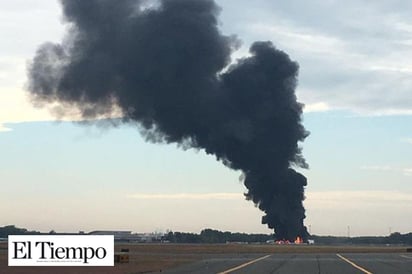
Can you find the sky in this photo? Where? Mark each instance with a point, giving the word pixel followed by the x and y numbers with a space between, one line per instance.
pixel 355 80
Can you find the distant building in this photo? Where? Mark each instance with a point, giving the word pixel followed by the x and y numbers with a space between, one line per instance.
pixel 118 235
pixel 128 236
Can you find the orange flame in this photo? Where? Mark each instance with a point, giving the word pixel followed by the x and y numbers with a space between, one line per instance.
pixel 298 240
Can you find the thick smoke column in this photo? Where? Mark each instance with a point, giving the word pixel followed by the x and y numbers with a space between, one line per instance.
pixel 165 68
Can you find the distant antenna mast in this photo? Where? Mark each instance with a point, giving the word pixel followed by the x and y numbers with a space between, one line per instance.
pixel 348 231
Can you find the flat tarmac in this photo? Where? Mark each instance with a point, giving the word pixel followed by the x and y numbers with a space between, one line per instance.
pixel 320 263
pixel 241 258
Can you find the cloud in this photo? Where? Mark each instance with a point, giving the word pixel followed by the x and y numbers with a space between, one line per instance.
pixel 358 64
pixel 352 57
pixel 312 197
pixel 16 107
pixel 294 38
pixel 367 212
pixel 404 171
pixel 359 197
pixel 186 196
pixel 384 112
pixel 317 107
pixel 328 212
pixel 4 128
pixel 407 140
pixel 407 171
pixel 379 168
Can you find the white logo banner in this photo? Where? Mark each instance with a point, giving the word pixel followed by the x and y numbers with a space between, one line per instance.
pixel 61 250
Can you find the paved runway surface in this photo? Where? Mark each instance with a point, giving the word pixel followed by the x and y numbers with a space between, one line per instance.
pixel 345 263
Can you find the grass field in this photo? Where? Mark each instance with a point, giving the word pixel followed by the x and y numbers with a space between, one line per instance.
pixel 256 248
pixel 145 258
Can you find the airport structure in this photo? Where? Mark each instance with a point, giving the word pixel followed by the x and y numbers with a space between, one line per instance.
pixel 128 236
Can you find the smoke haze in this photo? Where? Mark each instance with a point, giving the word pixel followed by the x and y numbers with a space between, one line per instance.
pixel 166 68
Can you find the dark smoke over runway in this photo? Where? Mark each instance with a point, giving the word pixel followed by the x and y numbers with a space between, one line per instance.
pixel 166 68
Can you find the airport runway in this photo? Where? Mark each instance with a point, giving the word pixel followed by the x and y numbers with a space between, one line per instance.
pixel 345 263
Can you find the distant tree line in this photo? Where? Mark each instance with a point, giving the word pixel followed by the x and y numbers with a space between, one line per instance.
pixel 215 236
pixel 13 230
pixel 395 238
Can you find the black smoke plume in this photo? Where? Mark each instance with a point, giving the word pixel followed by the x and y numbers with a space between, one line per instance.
pixel 167 68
